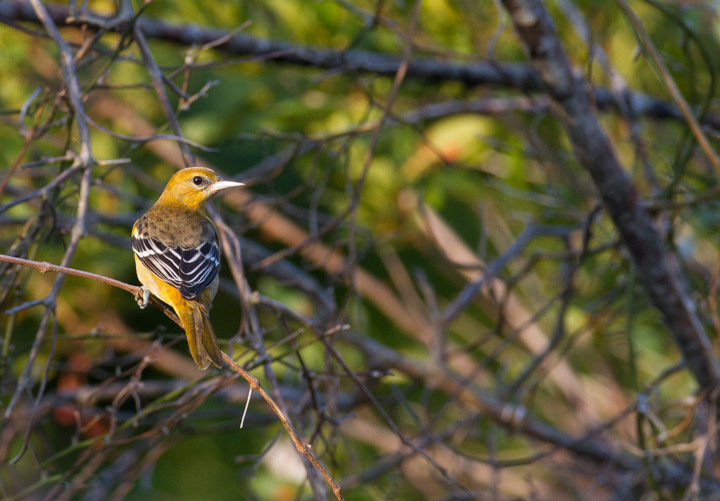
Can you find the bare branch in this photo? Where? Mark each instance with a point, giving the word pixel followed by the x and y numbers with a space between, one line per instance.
pixel 494 74
pixel 595 152
pixel 44 267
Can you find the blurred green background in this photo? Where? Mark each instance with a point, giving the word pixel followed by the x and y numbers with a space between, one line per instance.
pixel 483 178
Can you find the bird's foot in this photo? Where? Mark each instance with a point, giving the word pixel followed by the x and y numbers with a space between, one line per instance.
pixel 142 296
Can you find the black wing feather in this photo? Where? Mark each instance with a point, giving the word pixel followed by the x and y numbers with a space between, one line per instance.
pixel 189 270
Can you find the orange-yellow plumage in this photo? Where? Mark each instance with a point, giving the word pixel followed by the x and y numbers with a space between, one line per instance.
pixel 177 256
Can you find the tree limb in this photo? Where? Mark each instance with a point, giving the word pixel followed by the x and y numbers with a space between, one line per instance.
pixel 536 29
pixel 505 75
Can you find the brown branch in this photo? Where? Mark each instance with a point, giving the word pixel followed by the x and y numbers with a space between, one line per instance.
pixel 494 74
pixel 669 82
pixel 251 325
pixel 44 267
pixel 302 448
pixel 536 29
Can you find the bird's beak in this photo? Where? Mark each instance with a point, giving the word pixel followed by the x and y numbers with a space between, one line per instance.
pixel 223 184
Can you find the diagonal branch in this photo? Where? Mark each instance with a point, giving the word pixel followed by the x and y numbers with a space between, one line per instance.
pixel 671 85
pixel 536 29
pixel 302 448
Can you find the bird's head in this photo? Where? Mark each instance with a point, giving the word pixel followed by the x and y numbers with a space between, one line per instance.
pixel 194 186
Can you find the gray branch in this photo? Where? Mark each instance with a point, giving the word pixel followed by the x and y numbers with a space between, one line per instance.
pixel 493 74
pixel 662 282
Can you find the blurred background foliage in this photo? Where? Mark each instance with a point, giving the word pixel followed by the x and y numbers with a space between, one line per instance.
pixel 481 180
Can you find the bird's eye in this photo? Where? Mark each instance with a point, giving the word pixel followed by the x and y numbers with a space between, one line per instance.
pixel 197 181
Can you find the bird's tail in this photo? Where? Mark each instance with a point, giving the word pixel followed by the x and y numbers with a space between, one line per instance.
pixel 200 335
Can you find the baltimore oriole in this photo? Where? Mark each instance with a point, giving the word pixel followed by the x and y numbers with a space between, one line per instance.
pixel 177 257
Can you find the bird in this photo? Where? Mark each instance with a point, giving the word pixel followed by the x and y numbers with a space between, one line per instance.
pixel 177 257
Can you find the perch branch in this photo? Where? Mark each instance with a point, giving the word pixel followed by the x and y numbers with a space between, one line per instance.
pixel 45 267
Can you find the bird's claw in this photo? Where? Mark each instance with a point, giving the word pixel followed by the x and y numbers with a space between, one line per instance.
pixel 142 296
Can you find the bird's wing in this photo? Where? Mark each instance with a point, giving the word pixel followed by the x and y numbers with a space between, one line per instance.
pixel 189 270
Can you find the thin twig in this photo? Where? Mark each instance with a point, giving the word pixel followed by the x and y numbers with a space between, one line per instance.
pixel 302 448
pixel 669 82
pixel 44 267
